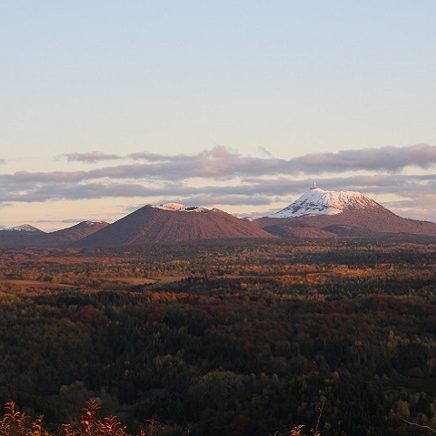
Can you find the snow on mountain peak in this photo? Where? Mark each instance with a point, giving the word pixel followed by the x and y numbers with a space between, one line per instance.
pixel 318 201
pixel 23 228
pixel 171 206
pixel 178 207
pixel 91 223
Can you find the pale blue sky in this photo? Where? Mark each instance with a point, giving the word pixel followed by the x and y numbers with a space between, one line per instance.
pixel 294 77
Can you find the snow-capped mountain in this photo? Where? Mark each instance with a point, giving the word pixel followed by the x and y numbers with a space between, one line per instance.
pixel 23 228
pixel 319 213
pixel 21 236
pixel 318 201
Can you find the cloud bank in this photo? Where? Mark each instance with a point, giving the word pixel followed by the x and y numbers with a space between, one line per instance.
pixel 222 162
pixel 222 176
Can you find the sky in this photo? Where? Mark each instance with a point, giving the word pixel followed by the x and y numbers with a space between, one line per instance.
pixel 107 105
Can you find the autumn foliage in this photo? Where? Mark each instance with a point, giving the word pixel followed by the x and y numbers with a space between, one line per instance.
pixel 224 338
pixel 16 423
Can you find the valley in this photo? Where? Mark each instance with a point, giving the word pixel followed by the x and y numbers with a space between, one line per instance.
pixel 224 337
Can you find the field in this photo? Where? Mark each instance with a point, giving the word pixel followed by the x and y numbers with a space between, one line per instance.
pixel 225 338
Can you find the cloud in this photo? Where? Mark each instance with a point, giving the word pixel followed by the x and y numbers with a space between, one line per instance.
pixel 215 163
pixel 218 162
pixel 249 180
pixel 90 157
pixel 246 191
pixel 420 206
pixel 55 191
pixel 383 158
pixel 63 221
pixel 221 162
pixel 211 199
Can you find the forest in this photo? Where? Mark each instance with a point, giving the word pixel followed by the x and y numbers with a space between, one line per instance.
pixel 223 337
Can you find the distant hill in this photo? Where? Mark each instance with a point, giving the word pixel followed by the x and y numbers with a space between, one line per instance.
pixel 173 222
pixel 29 236
pixel 21 236
pixel 75 233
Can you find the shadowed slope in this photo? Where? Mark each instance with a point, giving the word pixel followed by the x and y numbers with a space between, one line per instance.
pixel 377 220
pixel 76 232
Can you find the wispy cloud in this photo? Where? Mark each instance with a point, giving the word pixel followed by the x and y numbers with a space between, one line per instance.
pixel 89 157
pixel 71 221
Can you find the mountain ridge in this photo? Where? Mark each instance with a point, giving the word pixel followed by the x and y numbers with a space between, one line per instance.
pixel 316 214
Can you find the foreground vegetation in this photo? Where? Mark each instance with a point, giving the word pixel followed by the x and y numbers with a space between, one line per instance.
pixel 229 338
pixel 14 422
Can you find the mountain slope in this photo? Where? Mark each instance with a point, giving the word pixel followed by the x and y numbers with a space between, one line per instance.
pixel 342 213
pixel 76 232
pixel 152 224
pixel 298 231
